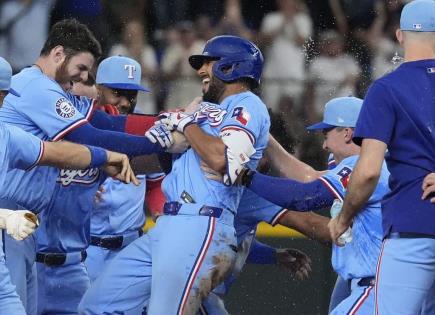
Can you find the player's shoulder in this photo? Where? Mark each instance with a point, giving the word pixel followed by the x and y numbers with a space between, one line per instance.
pixel 347 163
pixel 250 102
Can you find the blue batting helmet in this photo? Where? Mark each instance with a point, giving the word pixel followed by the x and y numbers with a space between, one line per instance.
pixel 236 58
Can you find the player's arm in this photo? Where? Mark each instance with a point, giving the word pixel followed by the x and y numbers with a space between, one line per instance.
pixel 312 225
pixel 286 165
pixel 428 187
pixel 290 259
pixel 211 149
pixel 288 193
pixel 362 183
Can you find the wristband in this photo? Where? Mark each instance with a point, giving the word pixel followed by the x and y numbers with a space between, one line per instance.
pixel 98 156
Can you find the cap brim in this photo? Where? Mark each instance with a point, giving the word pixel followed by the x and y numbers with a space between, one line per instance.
pixel 320 126
pixel 196 61
pixel 125 86
pixel 13 92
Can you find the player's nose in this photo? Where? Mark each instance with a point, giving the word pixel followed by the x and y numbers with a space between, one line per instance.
pixel 84 76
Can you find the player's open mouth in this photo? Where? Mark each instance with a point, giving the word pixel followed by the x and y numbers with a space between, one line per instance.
pixel 205 82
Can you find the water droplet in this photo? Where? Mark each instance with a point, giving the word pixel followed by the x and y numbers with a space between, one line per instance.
pixel 396 58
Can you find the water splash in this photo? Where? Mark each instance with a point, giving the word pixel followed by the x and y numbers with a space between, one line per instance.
pixel 397 59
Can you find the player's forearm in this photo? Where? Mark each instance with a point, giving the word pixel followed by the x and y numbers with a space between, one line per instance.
pixel 286 165
pixel 65 155
pixel 262 254
pixel 210 149
pixel 291 194
pixel 113 141
pixel 72 156
pixel 310 224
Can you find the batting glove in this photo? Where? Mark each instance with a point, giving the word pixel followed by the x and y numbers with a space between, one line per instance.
pixel 160 133
pixel 177 120
pixel 19 224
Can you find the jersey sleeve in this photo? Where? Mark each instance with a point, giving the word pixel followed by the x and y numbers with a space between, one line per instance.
pixel 50 109
pixel 336 179
pixel 377 117
pixel 24 149
pixel 248 116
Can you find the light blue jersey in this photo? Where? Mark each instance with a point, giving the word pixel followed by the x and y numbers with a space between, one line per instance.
pixel 65 196
pixel 244 111
pixel 43 109
pixel 22 150
pixel 180 254
pixel 121 208
pixel 18 150
pixel 358 258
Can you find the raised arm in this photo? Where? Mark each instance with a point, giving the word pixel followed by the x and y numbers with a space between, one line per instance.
pixel 286 165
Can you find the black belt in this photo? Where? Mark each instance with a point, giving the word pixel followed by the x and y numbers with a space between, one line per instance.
pixel 56 259
pixel 409 235
pixel 111 242
pixel 172 208
pixel 367 282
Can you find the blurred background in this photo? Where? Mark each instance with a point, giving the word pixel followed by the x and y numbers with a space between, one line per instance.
pixel 314 50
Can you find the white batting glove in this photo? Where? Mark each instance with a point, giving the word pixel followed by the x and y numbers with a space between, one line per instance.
pixel 177 120
pixel 19 224
pixel 161 134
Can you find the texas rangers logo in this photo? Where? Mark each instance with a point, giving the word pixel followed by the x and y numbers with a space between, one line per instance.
pixel 85 177
pixel 344 175
pixel 131 69
pixel 242 116
pixel 212 113
pixel 64 108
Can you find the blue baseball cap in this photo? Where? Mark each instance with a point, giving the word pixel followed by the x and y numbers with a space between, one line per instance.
pixel 5 77
pixel 418 16
pixel 339 112
pixel 119 72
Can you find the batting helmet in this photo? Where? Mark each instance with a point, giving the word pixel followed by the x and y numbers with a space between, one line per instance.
pixel 236 58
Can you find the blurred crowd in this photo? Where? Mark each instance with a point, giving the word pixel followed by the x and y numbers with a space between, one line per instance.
pixel 315 50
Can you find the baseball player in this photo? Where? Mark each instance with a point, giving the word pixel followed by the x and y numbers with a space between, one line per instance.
pixel 118 213
pixel 192 246
pixel 49 112
pixel 398 115
pixel 23 151
pixel 357 260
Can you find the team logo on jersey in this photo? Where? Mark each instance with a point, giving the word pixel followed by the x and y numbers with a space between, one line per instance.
pixel 242 115
pixel 84 177
pixel 344 175
pixel 210 112
pixel 64 108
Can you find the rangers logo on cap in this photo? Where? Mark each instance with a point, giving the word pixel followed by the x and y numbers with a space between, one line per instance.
pixel 64 108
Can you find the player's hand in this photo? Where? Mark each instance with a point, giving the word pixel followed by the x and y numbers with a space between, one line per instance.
pixel 429 187
pixel 118 166
pixel 245 177
pixel 20 224
pixel 295 261
pixel 176 120
pixel 180 143
pixel 336 228
pixel 161 134
pixel 211 173
pixel 99 194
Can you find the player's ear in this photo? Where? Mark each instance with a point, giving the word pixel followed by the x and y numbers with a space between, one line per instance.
pixel 348 134
pixel 399 36
pixel 58 54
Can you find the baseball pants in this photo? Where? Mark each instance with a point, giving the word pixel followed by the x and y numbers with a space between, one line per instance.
pixel 174 266
pixel 405 275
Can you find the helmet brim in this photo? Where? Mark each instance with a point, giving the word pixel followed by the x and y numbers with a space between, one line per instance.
pixel 196 61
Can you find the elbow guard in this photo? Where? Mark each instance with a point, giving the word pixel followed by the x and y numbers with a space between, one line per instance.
pixel 239 149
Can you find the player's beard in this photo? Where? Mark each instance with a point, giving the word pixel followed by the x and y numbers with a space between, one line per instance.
pixel 215 90
pixel 61 76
